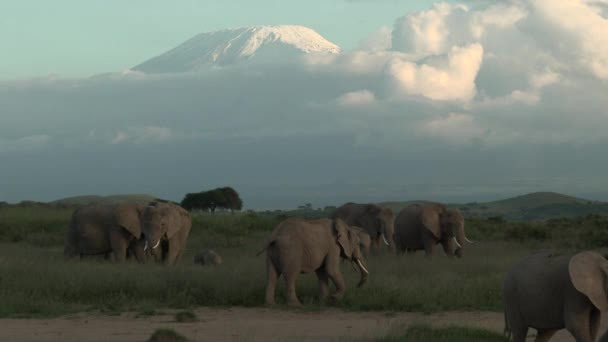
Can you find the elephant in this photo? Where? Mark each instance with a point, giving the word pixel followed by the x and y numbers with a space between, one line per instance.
pixel 207 257
pixel 365 242
pixel 377 221
pixel 111 230
pixel 166 227
pixel 299 245
pixel 550 291
pixel 421 226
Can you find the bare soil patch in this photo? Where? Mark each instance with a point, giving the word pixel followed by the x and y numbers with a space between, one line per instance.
pixel 243 324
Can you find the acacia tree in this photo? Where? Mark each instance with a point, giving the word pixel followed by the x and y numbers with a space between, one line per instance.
pixel 224 198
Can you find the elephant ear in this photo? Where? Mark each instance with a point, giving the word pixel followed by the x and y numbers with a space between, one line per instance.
pixel 430 218
pixel 588 275
pixel 128 216
pixel 341 230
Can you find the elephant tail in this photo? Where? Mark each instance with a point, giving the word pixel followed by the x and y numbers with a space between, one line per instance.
pixel 265 248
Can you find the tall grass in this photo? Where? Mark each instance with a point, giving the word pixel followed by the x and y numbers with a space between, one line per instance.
pixel 36 281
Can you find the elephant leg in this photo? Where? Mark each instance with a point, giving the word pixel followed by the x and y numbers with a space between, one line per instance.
pixel 429 248
pixel 594 323
pixel 519 335
pixel 173 251
pixel 448 247
pixel 272 276
pixel 119 247
pixel 578 326
pixel 323 285
pixel 338 280
pixel 290 282
pixel 544 335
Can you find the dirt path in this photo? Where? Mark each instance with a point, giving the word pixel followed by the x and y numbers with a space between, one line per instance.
pixel 240 324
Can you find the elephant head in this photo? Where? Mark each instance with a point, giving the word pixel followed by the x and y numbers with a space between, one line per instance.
pixel 348 240
pixel 447 225
pixel 589 274
pixel 379 222
pixel 161 221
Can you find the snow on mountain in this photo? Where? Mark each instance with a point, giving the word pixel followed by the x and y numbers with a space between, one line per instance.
pixel 265 44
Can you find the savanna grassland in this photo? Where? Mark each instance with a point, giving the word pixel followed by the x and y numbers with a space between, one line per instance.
pixel 35 280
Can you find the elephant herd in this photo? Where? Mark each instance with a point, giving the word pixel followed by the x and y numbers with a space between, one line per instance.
pixel 546 291
pixel 304 246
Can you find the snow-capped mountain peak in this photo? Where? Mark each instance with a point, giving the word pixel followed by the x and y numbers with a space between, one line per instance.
pixel 265 44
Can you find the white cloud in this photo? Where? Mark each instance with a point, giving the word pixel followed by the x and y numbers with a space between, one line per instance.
pixel 142 135
pixel 25 143
pixel 510 82
pixel 456 81
pixel 582 32
pixel 454 128
pixel 379 40
pixel 431 32
pixel 357 98
pixel 119 138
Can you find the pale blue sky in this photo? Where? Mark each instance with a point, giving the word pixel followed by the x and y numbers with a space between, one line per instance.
pixel 75 38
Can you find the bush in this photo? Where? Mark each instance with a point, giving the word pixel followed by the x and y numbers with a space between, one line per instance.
pixel 166 335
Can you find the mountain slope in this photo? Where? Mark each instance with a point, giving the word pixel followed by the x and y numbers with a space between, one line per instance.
pixel 86 199
pixel 266 44
pixel 533 206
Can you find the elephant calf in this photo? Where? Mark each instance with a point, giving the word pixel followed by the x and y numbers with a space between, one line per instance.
pixel 550 292
pixel 208 257
pixel 304 246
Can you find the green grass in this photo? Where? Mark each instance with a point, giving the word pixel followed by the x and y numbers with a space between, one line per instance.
pixel 417 333
pixel 35 280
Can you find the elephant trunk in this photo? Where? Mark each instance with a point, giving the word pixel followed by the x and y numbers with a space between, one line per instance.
pixel 364 272
pixel 387 234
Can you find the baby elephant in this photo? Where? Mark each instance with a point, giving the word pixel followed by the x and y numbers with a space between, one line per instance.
pixel 207 257
pixel 549 292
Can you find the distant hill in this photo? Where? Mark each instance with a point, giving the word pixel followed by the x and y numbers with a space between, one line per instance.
pixel 87 199
pixel 533 206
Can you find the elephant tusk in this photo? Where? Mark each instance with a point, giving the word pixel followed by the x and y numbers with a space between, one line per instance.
pixel 384 238
pixel 362 267
pixel 467 240
pixel 158 243
pixel 456 242
pixel 146 246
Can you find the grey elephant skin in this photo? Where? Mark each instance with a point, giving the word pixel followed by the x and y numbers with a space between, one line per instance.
pixel 550 291
pixel 111 230
pixel 377 221
pixel 365 241
pixel 304 246
pixel 207 257
pixel 422 226
pixel 166 227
